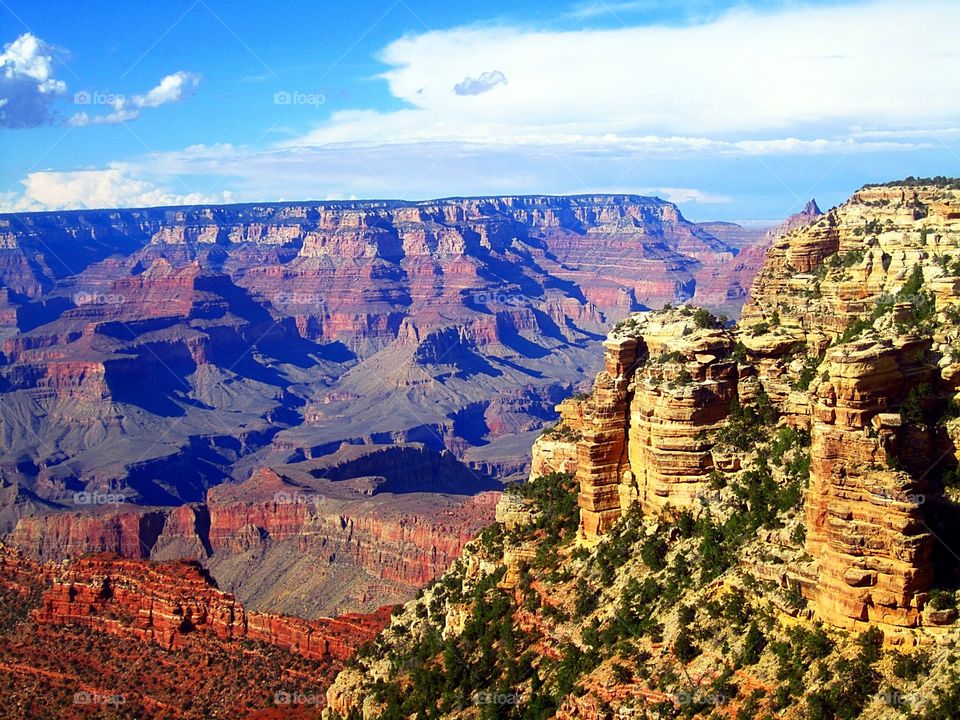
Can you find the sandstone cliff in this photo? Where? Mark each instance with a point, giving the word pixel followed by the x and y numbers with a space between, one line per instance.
pixel 643 433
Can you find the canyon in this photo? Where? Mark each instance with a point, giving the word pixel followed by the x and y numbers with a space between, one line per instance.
pixel 391 360
pixel 281 546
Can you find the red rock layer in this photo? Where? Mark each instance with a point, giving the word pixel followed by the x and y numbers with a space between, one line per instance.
pixel 410 549
pixel 163 603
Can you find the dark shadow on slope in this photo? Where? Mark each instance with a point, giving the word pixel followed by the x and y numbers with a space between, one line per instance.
pixel 519 344
pixel 174 479
pixel 470 424
pixel 406 469
pixel 149 382
pixel 35 314
pixel 519 368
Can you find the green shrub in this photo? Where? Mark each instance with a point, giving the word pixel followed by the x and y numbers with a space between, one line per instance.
pixel 753 645
pixel 703 318
pixel 684 648
pixel 911 666
pixel 942 599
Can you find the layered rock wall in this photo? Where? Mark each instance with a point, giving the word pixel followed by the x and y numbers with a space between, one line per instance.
pixel 646 428
pixel 165 603
pixel 865 522
pixel 840 301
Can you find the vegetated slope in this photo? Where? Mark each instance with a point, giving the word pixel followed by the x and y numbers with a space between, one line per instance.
pixel 757 522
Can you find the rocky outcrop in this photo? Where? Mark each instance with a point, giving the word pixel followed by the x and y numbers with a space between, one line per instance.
pixel 831 338
pixel 646 430
pixel 865 524
pixel 165 603
pixel 556 448
pixel 682 394
pixel 602 461
pixel 841 329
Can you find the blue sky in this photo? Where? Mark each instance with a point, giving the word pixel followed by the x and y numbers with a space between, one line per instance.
pixel 736 111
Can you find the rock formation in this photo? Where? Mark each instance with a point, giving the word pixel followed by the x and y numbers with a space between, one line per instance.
pixel 643 434
pixel 163 603
pixel 278 544
pixel 838 335
pixel 864 518
pixel 879 267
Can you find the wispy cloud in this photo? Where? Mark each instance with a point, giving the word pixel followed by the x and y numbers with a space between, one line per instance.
pixel 171 88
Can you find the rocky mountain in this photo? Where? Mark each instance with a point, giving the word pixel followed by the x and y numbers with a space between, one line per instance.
pixel 748 521
pixel 389 359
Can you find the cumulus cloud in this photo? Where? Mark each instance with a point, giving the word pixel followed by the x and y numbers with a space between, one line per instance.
pixel 479 85
pixel 27 83
pixel 109 188
pixel 171 88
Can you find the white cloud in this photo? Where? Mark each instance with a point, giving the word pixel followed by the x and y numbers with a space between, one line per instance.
pixel 759 76
pixel 27 83
pixel 171 88
pixel 110 188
